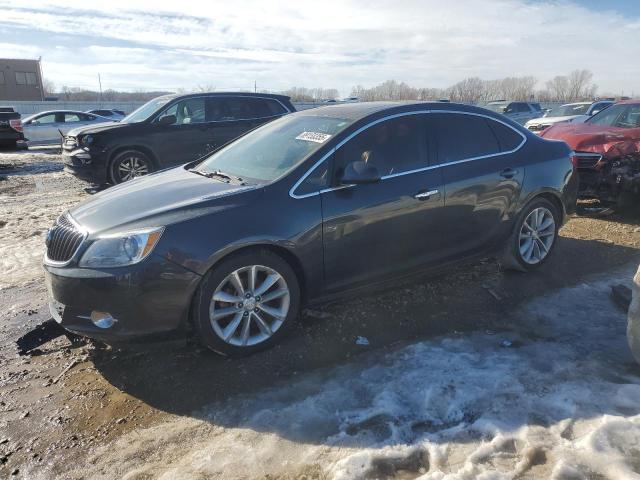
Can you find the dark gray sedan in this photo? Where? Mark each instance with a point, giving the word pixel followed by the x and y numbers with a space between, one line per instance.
pixel 314 205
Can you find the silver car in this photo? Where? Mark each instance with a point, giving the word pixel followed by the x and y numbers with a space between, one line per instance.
pixel 46 128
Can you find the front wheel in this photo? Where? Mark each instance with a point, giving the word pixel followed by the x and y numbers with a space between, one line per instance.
pixel 533 237
pixel 247 303
pixel 129 165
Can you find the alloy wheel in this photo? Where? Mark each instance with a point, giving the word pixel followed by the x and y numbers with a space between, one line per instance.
pixel 249 305
pixel 537 235
pixel 132 167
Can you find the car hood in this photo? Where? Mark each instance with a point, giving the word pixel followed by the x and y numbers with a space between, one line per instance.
pixel 97 128
pixel 585 137
pixel 551 120
pixel 160 199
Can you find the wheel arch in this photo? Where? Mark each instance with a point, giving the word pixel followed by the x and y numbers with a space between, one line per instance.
pixel 141 148
pixel 548 194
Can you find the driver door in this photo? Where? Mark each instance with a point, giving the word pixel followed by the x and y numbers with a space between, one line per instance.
pixel 373 231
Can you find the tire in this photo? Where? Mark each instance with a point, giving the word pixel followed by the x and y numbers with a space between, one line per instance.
pixel 128 165
pixel 522 255
pixel 228 315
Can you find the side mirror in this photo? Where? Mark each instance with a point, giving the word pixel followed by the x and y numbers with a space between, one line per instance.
pixel 167 120
pixel 359 173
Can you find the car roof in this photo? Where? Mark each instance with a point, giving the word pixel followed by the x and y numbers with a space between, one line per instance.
pixel 630 101
pixel 227 94
pixel 357 111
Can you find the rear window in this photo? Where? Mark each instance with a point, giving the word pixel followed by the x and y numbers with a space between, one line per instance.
pixel 508 139
pixel 463 137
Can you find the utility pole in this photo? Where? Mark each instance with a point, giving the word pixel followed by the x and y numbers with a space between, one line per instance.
pixel 255 86
pixel 100 83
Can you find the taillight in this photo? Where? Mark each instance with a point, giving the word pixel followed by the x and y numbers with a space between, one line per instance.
pixel 16 124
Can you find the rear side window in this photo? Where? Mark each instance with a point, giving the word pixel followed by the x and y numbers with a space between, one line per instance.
pixel 274 107
pixel 462 137
pixel 508 139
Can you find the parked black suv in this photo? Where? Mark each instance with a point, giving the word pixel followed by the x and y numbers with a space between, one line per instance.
pixel 166 131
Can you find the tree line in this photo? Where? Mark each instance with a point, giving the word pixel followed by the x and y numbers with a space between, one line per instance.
pixel 575 86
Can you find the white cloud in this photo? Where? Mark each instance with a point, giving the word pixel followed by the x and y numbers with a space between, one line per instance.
pixel 333 43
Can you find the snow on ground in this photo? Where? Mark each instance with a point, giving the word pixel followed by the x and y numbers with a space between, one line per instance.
pixel 557 397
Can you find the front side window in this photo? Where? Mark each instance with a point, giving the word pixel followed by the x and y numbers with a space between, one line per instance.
pixel 187 111
pixel 620 115
pixel 392 146
pixel 274 149
pixel 462 137
pixel 49 118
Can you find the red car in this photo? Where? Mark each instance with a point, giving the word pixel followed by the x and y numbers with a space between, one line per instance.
pixel 607 152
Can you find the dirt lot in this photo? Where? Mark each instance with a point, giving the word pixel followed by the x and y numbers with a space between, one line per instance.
pixel 65 400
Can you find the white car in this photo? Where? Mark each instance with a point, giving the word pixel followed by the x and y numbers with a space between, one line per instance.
pixel 47 128
pixel 571 112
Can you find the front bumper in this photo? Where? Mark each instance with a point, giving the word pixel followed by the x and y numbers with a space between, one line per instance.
pixel 149 298
pixel 86 165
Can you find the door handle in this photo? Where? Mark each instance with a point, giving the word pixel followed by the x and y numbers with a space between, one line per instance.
pixel 508 173
pixel 425 195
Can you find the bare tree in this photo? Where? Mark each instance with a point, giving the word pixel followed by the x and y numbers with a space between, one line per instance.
pixel 49 87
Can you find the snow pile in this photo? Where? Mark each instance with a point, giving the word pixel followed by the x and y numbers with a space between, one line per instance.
pixel 558 399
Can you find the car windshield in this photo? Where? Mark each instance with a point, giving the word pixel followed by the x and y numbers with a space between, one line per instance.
pixel 274 149
pixel 146 110
pixel 620 115
pixel 567 110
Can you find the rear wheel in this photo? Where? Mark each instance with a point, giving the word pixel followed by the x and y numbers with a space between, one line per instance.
pixel 129 165
pixel 533 237
pixel 247 303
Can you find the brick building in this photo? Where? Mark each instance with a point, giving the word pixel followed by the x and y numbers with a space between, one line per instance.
pixel 20 79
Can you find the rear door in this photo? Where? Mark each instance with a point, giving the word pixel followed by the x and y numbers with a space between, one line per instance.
pixel 237 115
pixel 373 231
pixel 482 179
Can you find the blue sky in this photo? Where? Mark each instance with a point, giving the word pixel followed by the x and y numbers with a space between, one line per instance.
pixel 228 45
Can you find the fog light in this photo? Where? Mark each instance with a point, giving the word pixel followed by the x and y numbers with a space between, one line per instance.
pixel 102 319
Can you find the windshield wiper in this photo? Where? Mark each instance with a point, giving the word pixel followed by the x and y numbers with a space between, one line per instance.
pixel 217 173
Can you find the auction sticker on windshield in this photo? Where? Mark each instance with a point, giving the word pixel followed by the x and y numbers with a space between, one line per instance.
pixel 314 137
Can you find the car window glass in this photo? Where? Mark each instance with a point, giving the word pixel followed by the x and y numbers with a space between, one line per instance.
pixel 216 109
pixel 242 109
pixel 620 115
pixel 274 107
pixel 461 137
pixel 536 107
pixel 392 146
pixel 316 181
pixel 49 118
pixel 508 139
pixel 71 117
pixel 187 111
pixel 630 117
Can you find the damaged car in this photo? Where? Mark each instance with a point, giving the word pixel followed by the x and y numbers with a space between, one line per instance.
pixel 311 206
pixel 607 153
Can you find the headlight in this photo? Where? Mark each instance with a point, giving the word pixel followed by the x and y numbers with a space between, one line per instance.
pixel 86 140
pixel 121 249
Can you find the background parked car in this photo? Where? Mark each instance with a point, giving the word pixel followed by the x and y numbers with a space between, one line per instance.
pixel 44 128
pixel 110 113
pixel 607 149
pixel 571 112
pixel 313 205
pixel 10 127
pixel 167 131
pixel 521 112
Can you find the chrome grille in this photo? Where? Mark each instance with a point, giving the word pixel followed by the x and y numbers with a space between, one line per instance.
pixel 63 240
pixel 70 142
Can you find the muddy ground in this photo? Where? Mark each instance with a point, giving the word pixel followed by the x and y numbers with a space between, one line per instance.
pixel 65 399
